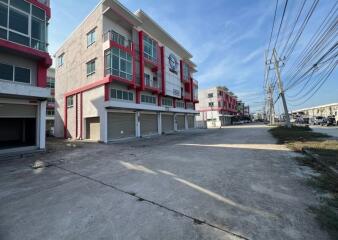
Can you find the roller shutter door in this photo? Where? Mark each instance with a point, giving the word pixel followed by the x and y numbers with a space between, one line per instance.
pixel 148 123
pixel 121 125
pixel 167 123
pixel 17 110
pixel 191 121
pixel 180 119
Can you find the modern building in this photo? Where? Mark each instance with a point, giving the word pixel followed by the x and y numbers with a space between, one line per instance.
pixel 318 111
pixel 216 106
pixel 24 61
pixel 50 113
pixel 120 75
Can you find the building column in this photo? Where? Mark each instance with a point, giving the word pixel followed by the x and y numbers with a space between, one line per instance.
pixel 175 122
pixel 137 124
pixel 159 123
pixel 186 121
pixel 103 126
pixel 42 124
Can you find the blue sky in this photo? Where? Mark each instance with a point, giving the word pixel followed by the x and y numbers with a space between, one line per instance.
pixel 227 39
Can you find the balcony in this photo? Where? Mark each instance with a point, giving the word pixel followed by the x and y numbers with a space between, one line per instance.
pixel 153 85
pixel 114 39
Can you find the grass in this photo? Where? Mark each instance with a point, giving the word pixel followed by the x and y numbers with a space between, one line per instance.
pixel 323 158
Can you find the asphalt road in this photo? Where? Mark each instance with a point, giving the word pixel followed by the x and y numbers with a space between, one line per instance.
pixel 231 183
pixel 332 131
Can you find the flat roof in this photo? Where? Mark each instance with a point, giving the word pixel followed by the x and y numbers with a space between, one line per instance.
pixel 320 106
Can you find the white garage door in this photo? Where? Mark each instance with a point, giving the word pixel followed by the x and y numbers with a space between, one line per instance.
pixel 180 119
pixel 167 123
pixel 121 125
pixel 17 110
pixel 148 122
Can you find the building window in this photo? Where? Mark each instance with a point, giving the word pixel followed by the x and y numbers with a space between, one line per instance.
pixel 51 82
pixel 211 104
pixel 180 104
pixel 121 95
pixel 167 102
pixel 23 23
pixel 50 112
pixel 91 38
pixel 185 71
pixel 150 48
pixel 210 95
pixel 15 73
pixel 148 99
pixel 61 60
pixel 70 102
pixel 22 75
pixel 91 67
pixel 119 63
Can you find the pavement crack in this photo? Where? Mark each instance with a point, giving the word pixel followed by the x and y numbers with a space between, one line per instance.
pixel 142 199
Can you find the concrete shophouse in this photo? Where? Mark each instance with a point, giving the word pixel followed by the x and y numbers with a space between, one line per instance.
pixel 120 75
pixel 318 111
pixel 50 113
pixel 24 61
pixel 216 106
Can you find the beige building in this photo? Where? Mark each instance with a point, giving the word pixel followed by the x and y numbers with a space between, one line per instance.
pixel 319 111
pixel 120 75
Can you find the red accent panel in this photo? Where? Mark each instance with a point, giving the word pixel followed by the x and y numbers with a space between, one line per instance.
pixel 141 49
pixel 163 70
pixel 138 96
pixel 42 75
pixel 106 92
pixel 47 60
pixel 89 86
pixel 123 48
pixel 65 128
pixel 81 114
pixel 134 63
pixel 191 89
pixel 174 103
pixel 76 118
pixel 181 70
pixel 159 100
pixel 42 6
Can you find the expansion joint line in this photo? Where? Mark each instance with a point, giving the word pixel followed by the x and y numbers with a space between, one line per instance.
pixel 141 199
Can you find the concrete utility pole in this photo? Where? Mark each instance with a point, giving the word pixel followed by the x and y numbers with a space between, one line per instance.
pixel 281 90
pixel 271 105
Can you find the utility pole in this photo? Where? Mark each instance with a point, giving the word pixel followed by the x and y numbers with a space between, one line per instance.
pixel 281 90
pixel 271 105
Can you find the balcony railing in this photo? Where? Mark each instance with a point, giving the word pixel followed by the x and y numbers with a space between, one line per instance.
pixel 46 2
pixel 111 35
pixel 152 83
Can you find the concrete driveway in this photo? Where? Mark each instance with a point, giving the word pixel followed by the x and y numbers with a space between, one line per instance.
pixel 231 183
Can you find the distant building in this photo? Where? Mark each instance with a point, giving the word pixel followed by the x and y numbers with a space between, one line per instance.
pixel 318 111
pixel 217 107
pixel 24 61
pixel 50 113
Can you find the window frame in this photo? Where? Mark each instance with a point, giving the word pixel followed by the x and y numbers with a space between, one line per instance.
pixel 13 74
pixel 60 60
pixel 91 37
pixel 91 63
pixel 70 102
pixel 121 58
pixel 130 95
pixel 148 99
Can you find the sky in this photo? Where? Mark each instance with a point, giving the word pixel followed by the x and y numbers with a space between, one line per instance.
pixel 226 37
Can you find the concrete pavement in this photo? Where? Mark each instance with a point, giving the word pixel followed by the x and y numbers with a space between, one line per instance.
pixel 331 131
pixel 232 183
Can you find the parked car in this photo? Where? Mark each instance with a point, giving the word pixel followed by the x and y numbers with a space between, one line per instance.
pixel 318 120
pixel 329 121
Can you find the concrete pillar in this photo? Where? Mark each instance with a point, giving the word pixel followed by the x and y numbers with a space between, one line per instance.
pixel 175 122
pixel 186 122
pixel 103 127
pixel 42 124
pixel 159 123
pixel 137 124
